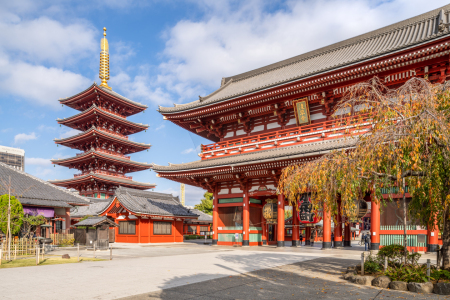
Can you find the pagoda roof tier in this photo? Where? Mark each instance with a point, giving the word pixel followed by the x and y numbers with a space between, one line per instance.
pixel 263 156
pixel 413 32
pixel 102 179
pixel 99 138
pixel 88 157
pixel 104 97
pixel 97 116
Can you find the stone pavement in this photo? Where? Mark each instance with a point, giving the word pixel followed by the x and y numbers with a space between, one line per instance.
pixel 192 269
pixel 311 279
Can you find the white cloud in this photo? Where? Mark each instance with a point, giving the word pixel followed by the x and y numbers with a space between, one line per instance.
pixel 160 127
pixel 187 151
pixel 69 133
pixel 46 128
pixel 235 37
pixel 38 161
pixel 23 137
pixel 193 195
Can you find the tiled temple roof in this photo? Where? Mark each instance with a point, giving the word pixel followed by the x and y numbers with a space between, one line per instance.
pixel 411 32
pixel 106 178
pixel 92 209
pixel 309 149
pixel 108 91
pixel 202 217
pixel 151 203
pixel 95 221
pixel 112 157
pixel 34 191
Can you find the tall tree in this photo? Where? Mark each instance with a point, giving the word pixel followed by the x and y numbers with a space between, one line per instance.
pixel 16 217
pixel 397 139
pixel 206 204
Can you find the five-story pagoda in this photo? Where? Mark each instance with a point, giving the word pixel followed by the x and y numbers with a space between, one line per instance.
pixel 104 138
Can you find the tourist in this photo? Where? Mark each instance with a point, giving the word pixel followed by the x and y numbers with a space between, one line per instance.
pixel 332 239
pixel 366 242
pixel 301 239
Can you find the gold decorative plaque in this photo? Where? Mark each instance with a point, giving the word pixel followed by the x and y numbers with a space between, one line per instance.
pixel 270 211
pixel 301 111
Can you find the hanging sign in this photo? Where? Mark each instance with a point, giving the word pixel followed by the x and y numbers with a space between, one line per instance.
pixel 301 111
pixel 305 213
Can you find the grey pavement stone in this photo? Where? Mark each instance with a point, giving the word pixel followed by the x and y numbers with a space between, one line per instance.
pixel 364 280
pixel 423 288
pixel 442 288
pixel 398 285
pixel 382 282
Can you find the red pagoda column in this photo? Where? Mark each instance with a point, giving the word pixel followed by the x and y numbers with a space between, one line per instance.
pixel 326 243
pixel 295 228
pixel 246 219
pixel 338 228
pixel 215 218
pixel 347 235
pixel 432 237
pixel 280 221
pixel 375 226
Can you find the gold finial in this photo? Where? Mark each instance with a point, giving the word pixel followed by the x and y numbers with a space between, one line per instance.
pixel 104 61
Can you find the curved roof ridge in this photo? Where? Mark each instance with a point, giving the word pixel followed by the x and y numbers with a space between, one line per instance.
pixel 102 154
pixel 95 128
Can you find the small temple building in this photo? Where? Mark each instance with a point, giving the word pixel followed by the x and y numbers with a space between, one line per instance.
pixel 200 226
pixel 104 159
pixel 263 120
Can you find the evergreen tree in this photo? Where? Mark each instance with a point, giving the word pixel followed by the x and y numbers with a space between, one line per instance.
pixel 16 214
pixel 206 204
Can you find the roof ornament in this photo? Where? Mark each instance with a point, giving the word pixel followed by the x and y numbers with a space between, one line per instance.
pixel 443 27
pixel 104 61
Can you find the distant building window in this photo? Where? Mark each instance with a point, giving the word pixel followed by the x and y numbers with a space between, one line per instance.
pixel 95 195
pixel 127 227
pixel 163 228
pixel 204 228
pixel 192 229
pixel 103 195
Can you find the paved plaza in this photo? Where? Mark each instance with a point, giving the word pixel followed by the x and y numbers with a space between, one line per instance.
pixel 195 271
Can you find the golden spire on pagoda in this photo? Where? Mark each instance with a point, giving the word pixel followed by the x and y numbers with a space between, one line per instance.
pixel 104 61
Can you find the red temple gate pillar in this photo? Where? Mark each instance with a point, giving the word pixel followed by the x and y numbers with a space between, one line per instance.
pixel 246 219
pixel 338 228
pixel 375 226
pixel 307 236
pixel 67 220
pixel 280 221
pixel 295 228
pixel 326 242
pixel 432 237
pixel 347 235
pixel 215 217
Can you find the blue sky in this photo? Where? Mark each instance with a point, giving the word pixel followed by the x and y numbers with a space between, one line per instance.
pixel 161 52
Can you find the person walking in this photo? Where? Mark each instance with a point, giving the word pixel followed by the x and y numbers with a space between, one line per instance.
pixel 362 239
pixel 332 239
pixel 366 242
pixel 311 239
pixel 301 239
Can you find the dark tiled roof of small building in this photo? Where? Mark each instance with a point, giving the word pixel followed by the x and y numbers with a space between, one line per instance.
pixel 95 221
pixel 34 191
pixel 389 39
pixel 201 215
pixel 312 148
pixel 151 203
pixel 93 209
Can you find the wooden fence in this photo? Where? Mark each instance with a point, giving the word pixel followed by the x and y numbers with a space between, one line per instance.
pixel 61 238
pixel 19 248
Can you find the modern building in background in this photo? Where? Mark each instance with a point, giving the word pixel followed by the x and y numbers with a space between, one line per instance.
pixel 14 157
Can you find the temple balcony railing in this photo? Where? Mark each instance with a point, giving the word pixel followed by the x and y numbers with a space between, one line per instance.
pixel 109 152
pixel 103 172
pixel 331 129
pixel 112 133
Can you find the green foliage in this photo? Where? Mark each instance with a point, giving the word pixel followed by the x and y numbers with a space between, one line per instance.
pixel 16 214
pixel 394 253
pixel 372 265
pixel 196 237
pixel 206 204
pixel 287 213
pixel 66 242
pixel 408 273
pixel 440 274
pixel 30 224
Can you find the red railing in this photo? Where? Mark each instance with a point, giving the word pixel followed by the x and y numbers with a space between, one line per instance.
pixel 282 138
pixel 112 133
pixel 102 172
pixel 109 152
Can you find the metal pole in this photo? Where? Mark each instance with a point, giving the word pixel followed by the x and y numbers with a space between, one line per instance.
pixel 437 259
pixel 94 251
pixel 110 253
pixel 15 251
pixel 385 263
pixel 362 263
pixel 428 268
pixel 78 251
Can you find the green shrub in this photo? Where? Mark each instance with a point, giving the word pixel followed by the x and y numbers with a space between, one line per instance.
pixel 396 254
pixel 372 265
pixel 440 274
pixel 408 273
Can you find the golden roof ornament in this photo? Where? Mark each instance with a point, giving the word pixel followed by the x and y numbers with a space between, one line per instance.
pixel 104 61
